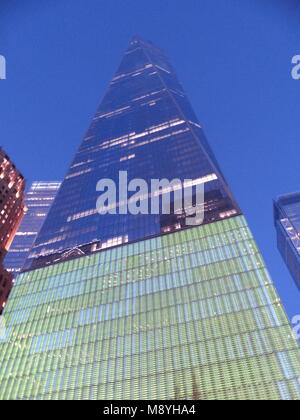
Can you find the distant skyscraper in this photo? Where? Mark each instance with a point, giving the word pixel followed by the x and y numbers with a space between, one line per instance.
pixel 12 186
pixel 287 224
pixel 38 201
pixel 141 306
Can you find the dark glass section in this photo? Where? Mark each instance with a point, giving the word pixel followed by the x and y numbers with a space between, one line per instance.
pixel 144 125
pixel 287 224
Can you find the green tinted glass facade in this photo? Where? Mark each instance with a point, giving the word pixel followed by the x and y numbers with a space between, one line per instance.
pixel 191 314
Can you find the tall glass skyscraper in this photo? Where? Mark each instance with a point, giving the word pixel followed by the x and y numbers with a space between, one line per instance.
pixel 39 199
pixel 123 306
pixel 287 224
pixel 144 125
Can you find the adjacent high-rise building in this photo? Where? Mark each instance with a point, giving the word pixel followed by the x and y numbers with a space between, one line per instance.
pixel 145 306
pixel 287 224
pixel 38 201
pixel 12 186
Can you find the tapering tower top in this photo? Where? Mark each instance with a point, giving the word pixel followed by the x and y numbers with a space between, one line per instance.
pixel 146 127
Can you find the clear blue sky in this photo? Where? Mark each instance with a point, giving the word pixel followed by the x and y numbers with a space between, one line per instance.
pixel 233 58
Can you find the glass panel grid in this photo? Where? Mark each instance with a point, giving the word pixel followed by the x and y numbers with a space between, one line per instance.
pixel 192 314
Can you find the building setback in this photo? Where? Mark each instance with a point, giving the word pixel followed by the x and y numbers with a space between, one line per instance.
pixel 12 186
pixel 123 306
pixel 38 201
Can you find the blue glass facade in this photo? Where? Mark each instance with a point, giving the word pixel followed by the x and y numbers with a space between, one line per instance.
pixel 38 201
pixel 174 313
pixel 287 224
pixel 144 125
